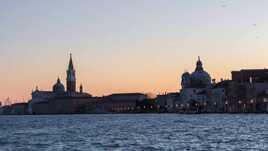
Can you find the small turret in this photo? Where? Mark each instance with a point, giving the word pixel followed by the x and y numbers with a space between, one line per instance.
pixel 81 88
pixel 36 88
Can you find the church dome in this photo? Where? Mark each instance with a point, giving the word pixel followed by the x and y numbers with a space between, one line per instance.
pixel 200 78
pixel 58 87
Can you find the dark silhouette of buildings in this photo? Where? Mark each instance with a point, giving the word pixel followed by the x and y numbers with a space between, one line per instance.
pixel 246 92
pixel 253 75
pixel 59 100
pixel 69 101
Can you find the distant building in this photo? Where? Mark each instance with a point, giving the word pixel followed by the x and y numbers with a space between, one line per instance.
pixel 119 103
pixel 5 110
pixel 19 109
pixel 168 102
pixel 250 75
pixel 197 90
pixel 69 101
pixel 198 93
pixel 59 100
pixel 194 85
pixel 198 79
pixel 247 92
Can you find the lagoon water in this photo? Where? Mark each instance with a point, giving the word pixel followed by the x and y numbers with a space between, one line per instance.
pixel 134 132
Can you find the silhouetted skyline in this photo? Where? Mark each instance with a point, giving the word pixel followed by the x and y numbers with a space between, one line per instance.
pixel 127 46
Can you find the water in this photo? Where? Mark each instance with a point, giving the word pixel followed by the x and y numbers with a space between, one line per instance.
pixel 134 132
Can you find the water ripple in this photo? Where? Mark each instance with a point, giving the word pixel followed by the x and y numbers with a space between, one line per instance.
pixel 134 132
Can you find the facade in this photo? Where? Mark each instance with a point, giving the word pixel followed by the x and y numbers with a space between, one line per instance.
pixel 250 75
pixel 15 109
pixel 168 102
pixel 197 93
pixel 195 87
pixel 120 103
pixel 244 97
pixel 19 109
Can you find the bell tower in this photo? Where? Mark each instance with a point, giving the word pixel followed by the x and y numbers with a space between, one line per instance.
pixel 71 79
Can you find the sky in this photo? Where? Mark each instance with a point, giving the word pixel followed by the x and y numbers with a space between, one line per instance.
pixel 126 46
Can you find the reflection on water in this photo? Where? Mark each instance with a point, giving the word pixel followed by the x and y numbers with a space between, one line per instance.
pixel 134 132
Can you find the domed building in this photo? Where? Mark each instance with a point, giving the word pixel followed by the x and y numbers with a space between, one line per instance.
pixel 58 87
pixel 198 79
pixel 60 100
pixel 197 90
pixel 195 85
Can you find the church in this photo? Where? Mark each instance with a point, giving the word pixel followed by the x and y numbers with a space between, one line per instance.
pixel 194 85
pixel 59 100
pixel 199 92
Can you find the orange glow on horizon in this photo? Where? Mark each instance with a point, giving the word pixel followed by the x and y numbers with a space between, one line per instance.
pixel 149 82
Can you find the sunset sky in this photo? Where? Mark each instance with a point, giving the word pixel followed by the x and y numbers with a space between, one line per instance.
pixel 127 45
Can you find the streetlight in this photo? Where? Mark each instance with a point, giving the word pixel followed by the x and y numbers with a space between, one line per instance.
pixel 265 100
pixel 226 106
pixel 239 102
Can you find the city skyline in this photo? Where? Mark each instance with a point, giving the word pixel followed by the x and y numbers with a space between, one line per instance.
pixel 127 46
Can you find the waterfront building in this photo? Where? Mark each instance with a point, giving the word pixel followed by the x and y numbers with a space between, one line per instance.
pixel 194 85
pixel 198 93
pixel 120 103
pixel 246 92
pixel 168 102
pixel 195 88
pixel 5 110
pixel 250 75
pixel 59 100
pixel 69 101
pixel 19 109
pixel 240 97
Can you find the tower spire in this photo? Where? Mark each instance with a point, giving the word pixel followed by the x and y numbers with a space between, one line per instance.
pixel 71 78
pixel 71 66
pixel 199 65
